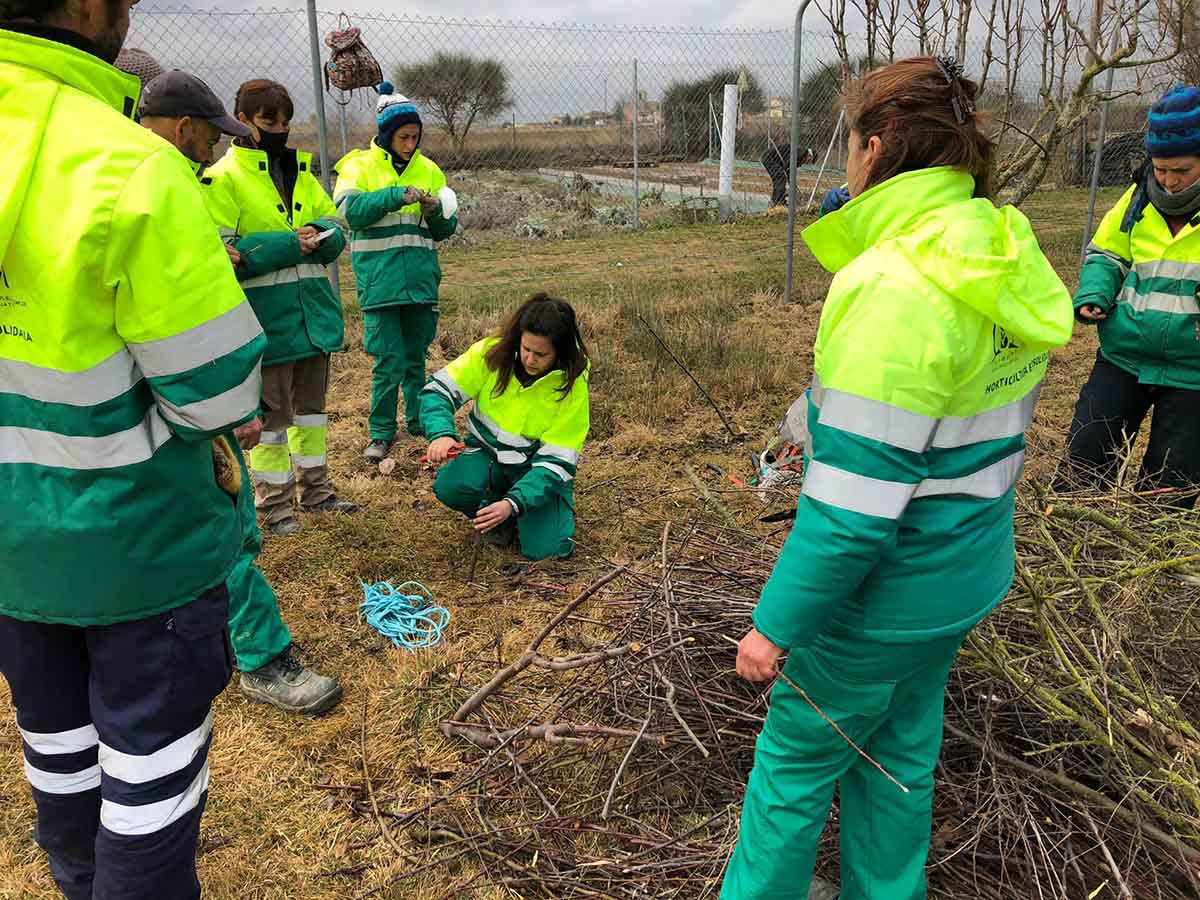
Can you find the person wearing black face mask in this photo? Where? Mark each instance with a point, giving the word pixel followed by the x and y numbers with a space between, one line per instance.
pixel 265 199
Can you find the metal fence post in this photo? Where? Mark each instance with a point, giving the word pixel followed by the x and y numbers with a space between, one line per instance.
pixel 794 150
pixel 637 114
pixel 837 131
pixel 1099 153
pixel 322 132
pixel 342 122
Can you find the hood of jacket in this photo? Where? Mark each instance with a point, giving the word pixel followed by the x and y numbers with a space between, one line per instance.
pixel 33 72
pixel 984 256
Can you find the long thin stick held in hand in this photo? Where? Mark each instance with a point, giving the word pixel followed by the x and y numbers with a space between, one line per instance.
pixel 845 737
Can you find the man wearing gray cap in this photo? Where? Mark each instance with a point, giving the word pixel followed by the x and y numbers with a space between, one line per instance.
pixel 183 110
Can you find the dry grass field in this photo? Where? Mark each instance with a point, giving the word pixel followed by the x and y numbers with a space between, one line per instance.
pixel 281 821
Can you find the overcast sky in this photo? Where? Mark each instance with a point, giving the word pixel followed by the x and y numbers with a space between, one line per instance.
pixel 696 13
pixel 554 69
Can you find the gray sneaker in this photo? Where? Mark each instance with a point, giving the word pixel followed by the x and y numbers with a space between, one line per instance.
pixel 377 450
pixel 285 683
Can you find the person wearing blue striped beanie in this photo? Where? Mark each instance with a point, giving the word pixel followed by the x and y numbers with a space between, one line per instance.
pixel 398 206
pixel 393 113
pixel 1139 286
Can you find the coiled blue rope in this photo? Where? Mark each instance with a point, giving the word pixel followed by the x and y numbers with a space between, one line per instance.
pixel 407 618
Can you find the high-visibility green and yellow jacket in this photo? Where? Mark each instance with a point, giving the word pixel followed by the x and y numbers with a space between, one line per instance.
pixel 931 348
pixel 126 345
pixel 533 429
pixel 1146 280
pixel 391 245
pixel 289 292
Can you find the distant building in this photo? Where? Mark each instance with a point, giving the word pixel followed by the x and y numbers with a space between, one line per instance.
pixel 649 111
pixel 595 118
pixel 779 108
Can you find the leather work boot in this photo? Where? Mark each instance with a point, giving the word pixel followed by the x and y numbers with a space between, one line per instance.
pixel 377 451
pixel 286 684
pixel 333 504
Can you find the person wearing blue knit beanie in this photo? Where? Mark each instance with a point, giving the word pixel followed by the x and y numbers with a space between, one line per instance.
pixel 1139 286
pixel 398 205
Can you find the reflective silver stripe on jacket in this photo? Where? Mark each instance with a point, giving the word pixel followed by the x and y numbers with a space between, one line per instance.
pixel 989 484
pixel 888 499
pixel 288 275
pixel 557 470
pixel 444 383
pixel 856 493
pixel 397 219
pixel 90 387
pixel 396 241
pixel 1179 270
pixel 498 433
pixel 213 414
pixel 879 421
pixel 566 454
pixel 1094 250
pixel 198 346
pixel 1176 304
pixel 47 448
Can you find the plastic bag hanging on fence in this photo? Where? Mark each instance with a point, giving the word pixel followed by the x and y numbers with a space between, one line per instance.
pixel 351 65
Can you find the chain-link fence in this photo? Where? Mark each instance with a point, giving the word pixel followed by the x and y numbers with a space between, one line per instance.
pixel 568 103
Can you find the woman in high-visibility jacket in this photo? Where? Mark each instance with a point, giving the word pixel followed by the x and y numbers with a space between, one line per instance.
pixel 397 204
pixel 1139 285
pixel 269 205
pixel 932 343
pixel 525 431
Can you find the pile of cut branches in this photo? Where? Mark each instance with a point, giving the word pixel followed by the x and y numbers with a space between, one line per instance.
pixel 609 759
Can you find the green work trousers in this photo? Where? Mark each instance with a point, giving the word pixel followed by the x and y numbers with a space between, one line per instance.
pixel 889 699
pixel 475 480
pixel 256 627
pixel 398 337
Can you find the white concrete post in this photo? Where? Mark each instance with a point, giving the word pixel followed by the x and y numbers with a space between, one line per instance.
pixel 729 119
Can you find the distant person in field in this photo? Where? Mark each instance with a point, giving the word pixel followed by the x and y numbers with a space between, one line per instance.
pixel 515 474
pixel 398 206
pixel 183 110
pixel 928 358
pixel 269 205
pixel 777 161
pixel 1139 286
pixel 835 199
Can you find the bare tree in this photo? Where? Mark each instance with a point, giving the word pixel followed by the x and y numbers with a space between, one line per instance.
pixel 1063 46
pixel 1107 42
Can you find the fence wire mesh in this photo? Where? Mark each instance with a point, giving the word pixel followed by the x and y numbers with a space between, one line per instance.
pixel 559 101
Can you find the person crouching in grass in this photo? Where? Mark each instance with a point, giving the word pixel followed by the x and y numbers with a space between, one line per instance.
pixel 516 471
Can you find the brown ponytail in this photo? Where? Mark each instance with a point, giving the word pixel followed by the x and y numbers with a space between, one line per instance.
pixel 923 111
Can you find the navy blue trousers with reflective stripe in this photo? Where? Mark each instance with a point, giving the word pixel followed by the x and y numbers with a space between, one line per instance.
pixel 116 724
pixel 1112 407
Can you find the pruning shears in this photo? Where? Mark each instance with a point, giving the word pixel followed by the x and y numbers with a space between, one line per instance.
pixel 453 452
pixel 733 479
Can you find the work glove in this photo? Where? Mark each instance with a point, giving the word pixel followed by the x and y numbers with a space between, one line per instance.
pixel 225 467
